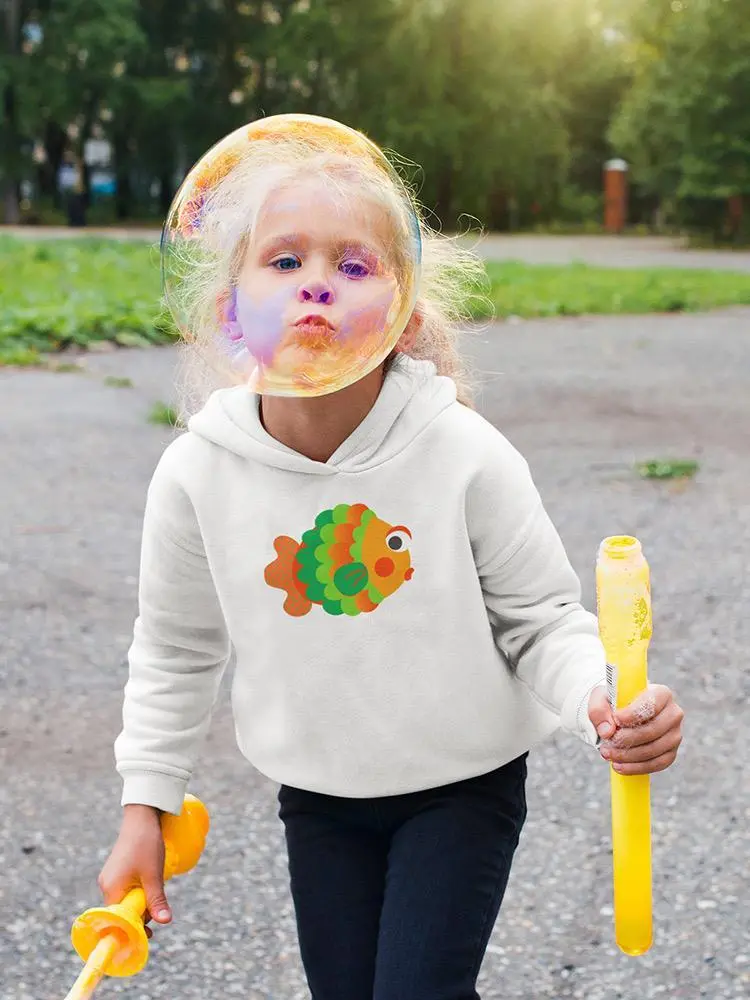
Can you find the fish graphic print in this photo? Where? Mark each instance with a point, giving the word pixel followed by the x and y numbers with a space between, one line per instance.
pixel 348 563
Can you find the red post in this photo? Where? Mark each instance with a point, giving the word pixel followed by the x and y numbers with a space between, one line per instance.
pixel 615 195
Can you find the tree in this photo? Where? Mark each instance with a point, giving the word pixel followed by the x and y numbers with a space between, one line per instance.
pixel 685 123
pixel 80 66
pixel 10 152
pixel 592 73
pixel 501 104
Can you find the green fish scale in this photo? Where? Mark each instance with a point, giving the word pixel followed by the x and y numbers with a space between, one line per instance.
pixel 324 517
pixel 358 535
pixel 315 564
pixel 341 513
pixel 308 567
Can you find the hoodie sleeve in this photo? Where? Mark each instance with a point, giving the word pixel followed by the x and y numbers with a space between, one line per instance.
pixel 179 652
pixel 531 591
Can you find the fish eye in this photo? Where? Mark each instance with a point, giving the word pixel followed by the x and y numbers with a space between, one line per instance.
pixel 398 540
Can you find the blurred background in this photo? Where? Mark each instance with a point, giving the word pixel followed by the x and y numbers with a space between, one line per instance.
pixel 510 108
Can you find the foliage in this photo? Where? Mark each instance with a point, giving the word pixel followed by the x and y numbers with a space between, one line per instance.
pixel 580 206
pixel 500 103
pixel 81 57
pixel 685 123
pixel 71 292
pixel 508 108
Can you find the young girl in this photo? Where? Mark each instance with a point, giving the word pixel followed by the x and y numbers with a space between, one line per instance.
pixel 405 621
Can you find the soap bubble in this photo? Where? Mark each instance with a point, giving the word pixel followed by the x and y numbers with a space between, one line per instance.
pixel 293 248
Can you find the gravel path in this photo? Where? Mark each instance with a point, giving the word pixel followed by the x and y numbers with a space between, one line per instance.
pixel 602 251
pixel 584 399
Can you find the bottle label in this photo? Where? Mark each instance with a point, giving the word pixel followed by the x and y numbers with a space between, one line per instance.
pixel 612 685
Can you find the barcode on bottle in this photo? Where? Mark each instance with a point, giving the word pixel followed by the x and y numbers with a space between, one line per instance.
pixel 612 685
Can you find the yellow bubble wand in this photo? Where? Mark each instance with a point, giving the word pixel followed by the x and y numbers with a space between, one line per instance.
pixel 624 611
pixel 112 940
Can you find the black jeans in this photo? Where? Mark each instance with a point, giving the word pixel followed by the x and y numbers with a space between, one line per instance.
pixel 396 897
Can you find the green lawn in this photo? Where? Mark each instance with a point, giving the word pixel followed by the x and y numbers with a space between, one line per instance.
pixel 59 292
pixel 578 289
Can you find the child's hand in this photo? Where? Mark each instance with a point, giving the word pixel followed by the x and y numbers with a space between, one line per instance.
pixel 138 859
pixel 648 730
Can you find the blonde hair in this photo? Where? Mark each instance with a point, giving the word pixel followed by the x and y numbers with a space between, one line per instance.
pixel 199 272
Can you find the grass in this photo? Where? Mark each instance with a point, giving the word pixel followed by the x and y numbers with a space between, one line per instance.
pixel 63 366
pixel 526 290
pixel 57 293
pixel 682 468
pixel 22 357
pixel 60 293
pixel 118 383
pixel 162 413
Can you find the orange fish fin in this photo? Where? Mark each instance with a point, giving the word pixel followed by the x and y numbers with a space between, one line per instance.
pixel 280 574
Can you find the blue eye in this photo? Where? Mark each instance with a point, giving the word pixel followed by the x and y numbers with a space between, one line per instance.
pixel 287 263
pixel 354 269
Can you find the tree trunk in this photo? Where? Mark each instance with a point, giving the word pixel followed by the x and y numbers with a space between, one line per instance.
pixel 124 190
pixel 498 210
pixel 55 142
pixel 12 206
pixel 514 214
pixel 735 212
pixel 77 198
pixel 12 139
pixel 166 189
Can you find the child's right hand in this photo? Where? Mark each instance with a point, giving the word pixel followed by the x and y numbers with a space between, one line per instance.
pixel 137 859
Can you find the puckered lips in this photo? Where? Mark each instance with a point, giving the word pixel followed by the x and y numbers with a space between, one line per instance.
pixel 314 330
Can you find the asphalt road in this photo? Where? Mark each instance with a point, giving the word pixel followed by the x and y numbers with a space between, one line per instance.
pixel 584 399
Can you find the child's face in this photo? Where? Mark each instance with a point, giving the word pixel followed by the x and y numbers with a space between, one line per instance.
pixel 316 282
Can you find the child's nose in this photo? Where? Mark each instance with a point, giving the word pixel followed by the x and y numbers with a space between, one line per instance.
pixel 316 291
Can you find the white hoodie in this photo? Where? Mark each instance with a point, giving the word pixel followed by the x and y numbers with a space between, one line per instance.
pixel 443 675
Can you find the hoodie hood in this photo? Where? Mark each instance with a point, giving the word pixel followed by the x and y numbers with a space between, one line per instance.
pixel 412 396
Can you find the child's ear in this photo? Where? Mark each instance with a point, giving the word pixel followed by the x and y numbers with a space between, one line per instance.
pixel 408 338
pixel 226 313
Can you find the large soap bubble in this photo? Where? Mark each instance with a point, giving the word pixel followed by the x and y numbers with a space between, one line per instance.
pixel 293 247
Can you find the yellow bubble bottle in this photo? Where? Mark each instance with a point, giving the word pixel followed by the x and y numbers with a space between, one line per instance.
pixel 624 609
